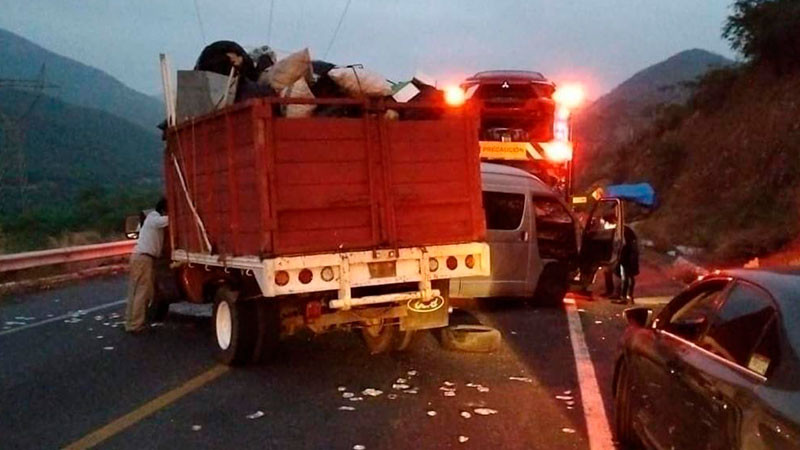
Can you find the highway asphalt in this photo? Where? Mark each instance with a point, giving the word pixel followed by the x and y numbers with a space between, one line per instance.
pixel 70 375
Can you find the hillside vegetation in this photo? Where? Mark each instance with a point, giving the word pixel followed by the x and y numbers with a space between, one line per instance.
pixel 726 164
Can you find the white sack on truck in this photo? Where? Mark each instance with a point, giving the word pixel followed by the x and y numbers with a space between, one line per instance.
pixel 299 89
pixel 360 82
pixel 285 72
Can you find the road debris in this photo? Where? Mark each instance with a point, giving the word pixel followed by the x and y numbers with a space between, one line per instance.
pixel 400 387
pixel 348 395
pixel 108 348
pixel 563 397
pixel 341 388
pixel 463 439
pixel 411 391
pixel 347 408
pixel 196 427
pixel 568 430
pixel 466 414
pixel 371 392
pixel 522 379
pixel 484 411
pixel 356 399
pixel 449 384
pixel 568 392
pixel 482 389
pixel 598 322
pixel 401 381
pixel 14 323
pixel 431 413
pixel 100 336
pixel 25 318
pixel 411 373
pixel 359 447
pixel 98 318
pixel 256 415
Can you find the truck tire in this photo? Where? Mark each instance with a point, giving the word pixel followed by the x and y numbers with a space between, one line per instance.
pixel 268 332
pixel 404 340
pixel 471 338
pixel 552 286
pixel 379 338
pixel 235 327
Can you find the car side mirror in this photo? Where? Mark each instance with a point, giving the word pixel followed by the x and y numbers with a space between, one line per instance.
pixel 690 327
pixel 638 316
pixel 132 226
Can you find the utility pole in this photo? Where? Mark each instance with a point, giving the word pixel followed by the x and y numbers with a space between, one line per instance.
pixel 13 170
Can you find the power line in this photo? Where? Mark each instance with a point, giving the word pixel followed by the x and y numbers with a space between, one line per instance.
pixel 200 23
pixel 269 24
pixel 336 31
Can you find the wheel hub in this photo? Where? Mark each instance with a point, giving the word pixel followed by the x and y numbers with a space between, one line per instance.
pixel 224 325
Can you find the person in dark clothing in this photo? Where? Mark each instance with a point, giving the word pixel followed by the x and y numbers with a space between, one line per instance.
pixel 628 265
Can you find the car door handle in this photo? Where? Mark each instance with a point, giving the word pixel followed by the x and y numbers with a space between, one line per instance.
pixel 524 236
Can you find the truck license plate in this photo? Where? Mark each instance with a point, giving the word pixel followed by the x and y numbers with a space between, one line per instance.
pixel 382 269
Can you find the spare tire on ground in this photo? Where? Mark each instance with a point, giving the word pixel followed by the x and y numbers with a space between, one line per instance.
pixel 470 338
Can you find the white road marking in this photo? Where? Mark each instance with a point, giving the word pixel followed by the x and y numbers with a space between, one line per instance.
pixel 62 317
pixel 593 408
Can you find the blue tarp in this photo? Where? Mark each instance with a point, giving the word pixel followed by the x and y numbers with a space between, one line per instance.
pixel 641 193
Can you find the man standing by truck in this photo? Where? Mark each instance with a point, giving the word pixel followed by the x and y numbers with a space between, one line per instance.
pixel 141 287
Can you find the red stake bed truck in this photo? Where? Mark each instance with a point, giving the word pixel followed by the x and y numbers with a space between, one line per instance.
pixel 324 222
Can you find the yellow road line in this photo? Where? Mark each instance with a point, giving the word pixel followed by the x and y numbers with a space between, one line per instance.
pixel 142 412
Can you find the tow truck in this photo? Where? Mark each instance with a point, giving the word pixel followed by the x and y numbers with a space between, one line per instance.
pixel 525 122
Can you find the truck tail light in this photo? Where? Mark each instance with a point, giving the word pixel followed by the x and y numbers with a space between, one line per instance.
pixel 454 96
pixel 327 273
pixel 281 278
pixel 433 264
pixel 305 276
pixel 469 261
pixel 313 310
pixel 452 263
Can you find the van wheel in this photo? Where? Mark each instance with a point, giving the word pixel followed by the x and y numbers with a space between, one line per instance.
pixel 552 286
pixel 268 330
pixel 235 327
pixel 379 338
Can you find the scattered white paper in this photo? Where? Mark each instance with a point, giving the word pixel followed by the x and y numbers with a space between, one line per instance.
pixel 449 384
pixel 196 427
pixel 371 392
pixel 341 388
pixel 568 430
pixel 400 387
pixel 359 447
pixel 256 415
pixel 100 336
pixel 357 399
pixel 484 411
pixel 449 393
pixel 348 395
pixel 411 391
pixel 108 348
pixel 401 381
pixel 522 379
pixel 466 414
pixel 598 322
pixel 563 397
pixel 347 408
pixel 483 389
pixel 463 439
pixel 431 413
pixel 411 373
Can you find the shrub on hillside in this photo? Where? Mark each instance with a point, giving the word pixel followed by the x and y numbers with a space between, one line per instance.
pixel 766 31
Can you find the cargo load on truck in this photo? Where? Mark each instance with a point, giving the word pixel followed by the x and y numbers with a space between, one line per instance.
pixel 320 222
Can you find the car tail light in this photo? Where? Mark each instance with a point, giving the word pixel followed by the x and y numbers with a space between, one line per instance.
pixel 433 264
pixel 313 310
pixel 469 261
pixel 281 278
pixel 327 273
pixel 305 276
pixel 452 263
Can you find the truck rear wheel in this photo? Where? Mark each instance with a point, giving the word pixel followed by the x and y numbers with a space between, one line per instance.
pixel 268 331
pixel 379 338
pixel 552 286
pixel 235 327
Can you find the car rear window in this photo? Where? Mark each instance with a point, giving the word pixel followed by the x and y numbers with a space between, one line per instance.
pixel 503 210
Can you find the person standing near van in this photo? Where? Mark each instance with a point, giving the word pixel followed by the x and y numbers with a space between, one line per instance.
pixel 628 265
pixel 141 287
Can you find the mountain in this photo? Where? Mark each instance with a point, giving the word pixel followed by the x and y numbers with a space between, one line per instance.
pixel 617 116
pixel 78 83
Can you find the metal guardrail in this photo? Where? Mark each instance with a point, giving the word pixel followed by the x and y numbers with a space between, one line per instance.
pixel 41 258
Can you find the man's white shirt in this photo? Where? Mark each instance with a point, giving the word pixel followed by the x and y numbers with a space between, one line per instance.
pixel 151 236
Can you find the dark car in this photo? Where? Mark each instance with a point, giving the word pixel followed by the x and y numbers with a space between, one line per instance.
pixel 717 368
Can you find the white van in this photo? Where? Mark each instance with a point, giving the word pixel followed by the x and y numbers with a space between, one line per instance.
pixel 534 239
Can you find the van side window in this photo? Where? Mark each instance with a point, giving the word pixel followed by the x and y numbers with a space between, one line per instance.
pixel 503 210
pixel 555 229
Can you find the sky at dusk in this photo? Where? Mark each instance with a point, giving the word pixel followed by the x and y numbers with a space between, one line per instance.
pixel 597 42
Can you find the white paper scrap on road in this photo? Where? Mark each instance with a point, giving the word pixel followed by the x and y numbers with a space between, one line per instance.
pixel 357 399
pixel 431 413
pixel 348 395
pixel 108 348
pixel 100 336
pixel 411 373
pixel 196 427
pixel 341 388
pixel 347 408
pixel 370 392
pixel 522 379
pixel 449 384
pixel 484 411
pixel 411 391
pixel 359 447
pixel 13 323
pixel 568 430
pixel 563 397
pixel 400 386
pixel 449 393
pixel 463 439
pixel 483 389
pixel 401 381
pixel 466 414
pixel 256 415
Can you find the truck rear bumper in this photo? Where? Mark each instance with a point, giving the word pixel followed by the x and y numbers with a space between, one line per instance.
pixel 341 272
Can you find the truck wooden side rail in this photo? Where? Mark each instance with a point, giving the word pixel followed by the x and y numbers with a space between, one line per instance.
pixel 289 223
